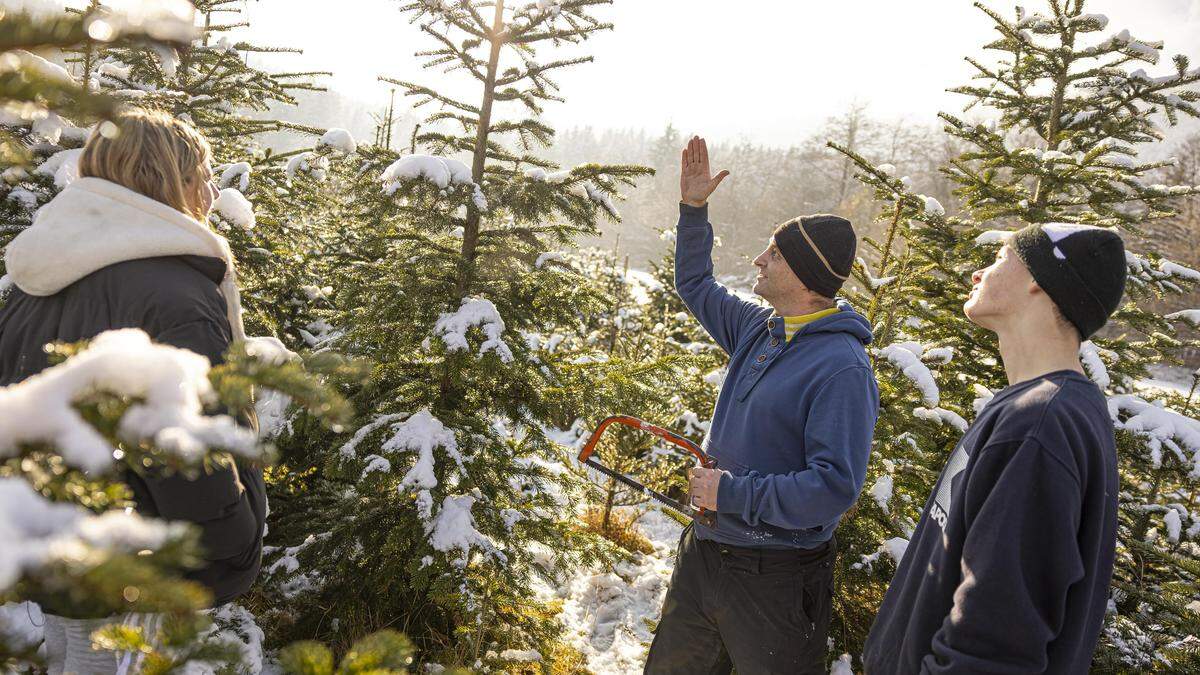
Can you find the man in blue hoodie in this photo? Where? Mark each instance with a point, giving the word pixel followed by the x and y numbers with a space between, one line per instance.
pixel 791 434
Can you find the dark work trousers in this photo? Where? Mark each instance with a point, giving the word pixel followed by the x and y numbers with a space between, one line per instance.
pixel 755 609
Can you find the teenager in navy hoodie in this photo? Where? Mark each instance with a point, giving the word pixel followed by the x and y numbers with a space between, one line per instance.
pixel 791 434
pixel 1009 566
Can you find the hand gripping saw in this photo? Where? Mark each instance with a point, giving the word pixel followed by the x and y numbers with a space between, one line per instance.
pixel 704 516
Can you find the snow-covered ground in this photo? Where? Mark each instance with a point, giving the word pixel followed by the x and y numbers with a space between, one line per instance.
pixel 1169 378
pixel 607 612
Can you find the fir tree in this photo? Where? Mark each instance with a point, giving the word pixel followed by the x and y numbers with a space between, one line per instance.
pixel 1069 120
pixel 450 501
pixel 122 404
pixel 635 330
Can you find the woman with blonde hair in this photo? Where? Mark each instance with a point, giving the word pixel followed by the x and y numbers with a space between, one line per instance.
pixel 126 246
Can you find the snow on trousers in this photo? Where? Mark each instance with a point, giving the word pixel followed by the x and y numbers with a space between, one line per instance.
pixel 755 609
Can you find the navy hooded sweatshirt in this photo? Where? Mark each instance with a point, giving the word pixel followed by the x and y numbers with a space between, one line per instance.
pixel 794 419
pixel 1009 567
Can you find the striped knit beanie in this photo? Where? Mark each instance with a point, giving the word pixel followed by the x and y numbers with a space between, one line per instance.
pixel 819 249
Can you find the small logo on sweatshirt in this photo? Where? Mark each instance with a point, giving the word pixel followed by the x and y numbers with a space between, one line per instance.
pixel 941 503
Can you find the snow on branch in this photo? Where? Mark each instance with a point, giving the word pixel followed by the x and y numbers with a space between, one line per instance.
pixel 311 163
pixel 1163 275
pixel 1126 43
pixel 232 207
pixel 906 356
pixel 1189 316
pixel 239 172
pixel 874 282
pixel 895 548
pixel 421 433
pixel 941 416
pixel 1160 426
pixel 1089 356
pixel 452 328
pixel 992 237
pixel 35 532
pixel 440 171
pixel 881 492
pixel 350 448
pixel 454 530
pixel 583 189
pixel 338 140
pixel 167 384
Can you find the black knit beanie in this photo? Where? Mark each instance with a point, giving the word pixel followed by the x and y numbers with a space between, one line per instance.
pixel 819 249
pixel 1081 268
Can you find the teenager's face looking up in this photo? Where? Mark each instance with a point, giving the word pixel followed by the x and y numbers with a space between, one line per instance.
pixel 1000 291
pixel 776 280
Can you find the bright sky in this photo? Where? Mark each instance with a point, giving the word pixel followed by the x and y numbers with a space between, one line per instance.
pixel 771 74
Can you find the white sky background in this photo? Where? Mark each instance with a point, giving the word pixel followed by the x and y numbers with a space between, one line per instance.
pixel 770 74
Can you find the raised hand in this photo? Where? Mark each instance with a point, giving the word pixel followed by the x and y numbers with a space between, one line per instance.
pixel 696 181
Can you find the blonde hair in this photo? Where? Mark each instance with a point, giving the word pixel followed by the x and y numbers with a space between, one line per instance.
pixel 152 153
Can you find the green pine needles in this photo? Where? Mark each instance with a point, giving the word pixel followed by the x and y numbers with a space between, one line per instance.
pixel 449 511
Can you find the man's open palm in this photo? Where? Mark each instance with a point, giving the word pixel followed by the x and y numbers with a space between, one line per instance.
pixel 696 181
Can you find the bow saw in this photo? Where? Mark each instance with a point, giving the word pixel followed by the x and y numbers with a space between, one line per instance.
pixel 704 516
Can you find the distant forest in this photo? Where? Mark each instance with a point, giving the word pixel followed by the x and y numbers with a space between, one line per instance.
pixel 769 184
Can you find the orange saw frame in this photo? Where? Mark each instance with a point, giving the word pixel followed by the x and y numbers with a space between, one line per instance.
pixel 705 516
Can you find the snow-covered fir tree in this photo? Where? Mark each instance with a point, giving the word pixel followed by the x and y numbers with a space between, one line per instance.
pixel 451 501
pixel 71 547
pixel 1066 108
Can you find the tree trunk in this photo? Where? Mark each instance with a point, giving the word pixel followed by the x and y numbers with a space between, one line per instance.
pixel 471 228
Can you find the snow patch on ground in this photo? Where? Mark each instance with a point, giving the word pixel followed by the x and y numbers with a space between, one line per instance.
pixel 606 611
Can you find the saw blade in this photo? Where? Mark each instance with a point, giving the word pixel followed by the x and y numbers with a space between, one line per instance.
pixel 675 505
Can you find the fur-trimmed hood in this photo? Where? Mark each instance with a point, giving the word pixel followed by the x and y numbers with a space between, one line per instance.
pixel 95 223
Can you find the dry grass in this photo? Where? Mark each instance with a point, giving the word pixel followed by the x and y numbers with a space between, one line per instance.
pixel 621 529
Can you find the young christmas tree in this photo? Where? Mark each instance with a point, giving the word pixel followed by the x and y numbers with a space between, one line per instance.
pixel 450 502
pixel 1068 118
pixel 635 330
pixel 70 546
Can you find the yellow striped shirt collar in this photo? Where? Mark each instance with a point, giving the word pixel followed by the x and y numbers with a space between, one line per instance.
pixel 792 324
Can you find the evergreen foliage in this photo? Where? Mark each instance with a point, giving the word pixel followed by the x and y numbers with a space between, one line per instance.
pixel 451 504
pixel 71 547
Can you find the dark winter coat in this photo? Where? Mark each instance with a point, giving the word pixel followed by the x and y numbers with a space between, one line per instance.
pixel 176 300
pixel 1008 570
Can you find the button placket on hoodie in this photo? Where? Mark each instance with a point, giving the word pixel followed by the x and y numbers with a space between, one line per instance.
pixel 767 349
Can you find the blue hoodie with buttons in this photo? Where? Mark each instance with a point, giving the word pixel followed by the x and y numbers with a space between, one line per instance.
pixel 795 418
